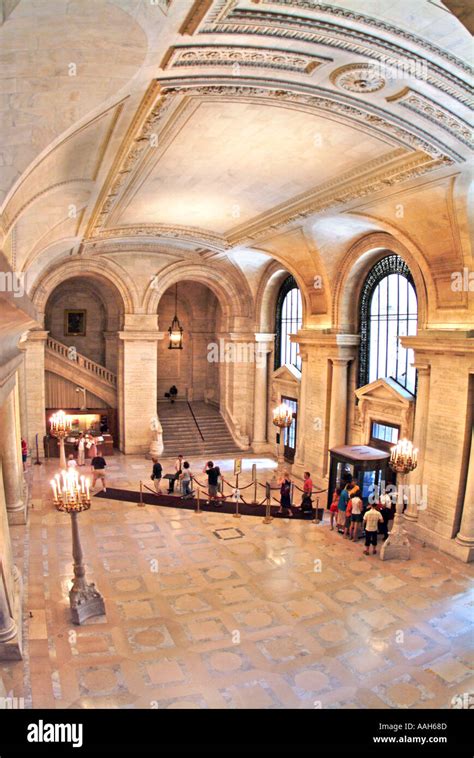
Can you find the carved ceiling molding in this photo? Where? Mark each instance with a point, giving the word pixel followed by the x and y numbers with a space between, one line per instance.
pixel 185 233
pixel 148 112
pixel 424 106
pixel 196 14
pixel 345 191
pixel 376 23
pixel 301 28
pixel 10 221
pixel 242 55
pixel 358 77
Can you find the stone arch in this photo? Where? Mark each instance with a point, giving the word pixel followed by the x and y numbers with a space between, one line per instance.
pixel 358 261
pixel 230 288
pixel 267 295
pixel 91 268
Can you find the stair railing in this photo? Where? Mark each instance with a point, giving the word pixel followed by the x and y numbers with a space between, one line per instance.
pixel 80 360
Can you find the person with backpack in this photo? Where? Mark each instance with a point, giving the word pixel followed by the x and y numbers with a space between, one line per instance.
pixel 285 494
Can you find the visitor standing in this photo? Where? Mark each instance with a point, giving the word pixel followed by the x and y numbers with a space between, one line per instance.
pixel 178 467
pixel 71 463
pixel 333 506
pixel 341 508
pixel 356 517
pixel 81 450
pixel 186 481
pixel 212 481
pixel 372 519
pixel 24 452
pixel 285 494
pixel 156 475
pixel 98 465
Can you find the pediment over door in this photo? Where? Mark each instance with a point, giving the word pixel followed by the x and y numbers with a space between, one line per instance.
pixel 385 401
pixel 286 381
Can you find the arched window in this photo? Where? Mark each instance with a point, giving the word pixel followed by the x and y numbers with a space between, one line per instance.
pixel 289 318
pixel 388 310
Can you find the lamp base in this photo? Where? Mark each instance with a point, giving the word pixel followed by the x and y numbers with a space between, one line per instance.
pixel 85 602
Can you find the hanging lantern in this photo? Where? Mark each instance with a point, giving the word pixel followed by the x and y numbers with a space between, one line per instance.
pixel 175 330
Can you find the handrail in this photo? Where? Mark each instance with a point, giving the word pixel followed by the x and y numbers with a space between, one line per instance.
pixel 195 420
pixel 81 360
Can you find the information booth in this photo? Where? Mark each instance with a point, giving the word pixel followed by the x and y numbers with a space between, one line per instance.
pixel 367 465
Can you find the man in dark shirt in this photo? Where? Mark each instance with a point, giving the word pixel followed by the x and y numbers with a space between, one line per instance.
pixel 98 465
pixel 156 475
pixel 212 478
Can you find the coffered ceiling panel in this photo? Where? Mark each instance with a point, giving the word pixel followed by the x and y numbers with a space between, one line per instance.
pixel 233 161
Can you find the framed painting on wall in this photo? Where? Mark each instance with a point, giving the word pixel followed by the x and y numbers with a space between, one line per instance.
pixel 75 323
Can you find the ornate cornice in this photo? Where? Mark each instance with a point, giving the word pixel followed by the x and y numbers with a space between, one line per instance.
pixel 196 14
pixel 242 55
pixel 317 30
pixel 424 106
pixel 185 233
pixel 336 192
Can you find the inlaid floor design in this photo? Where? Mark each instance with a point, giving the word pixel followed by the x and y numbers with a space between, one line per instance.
pixel 210 611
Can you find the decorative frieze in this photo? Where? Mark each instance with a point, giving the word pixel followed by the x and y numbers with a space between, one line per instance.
pixel 229 55
pixel 435 113
pixel 388 53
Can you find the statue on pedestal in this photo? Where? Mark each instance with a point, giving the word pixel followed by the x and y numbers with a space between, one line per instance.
pixel 156 446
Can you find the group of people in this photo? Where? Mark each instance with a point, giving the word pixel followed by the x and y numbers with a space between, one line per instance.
pixel 285 483
pixel 184 476
pixel 348 513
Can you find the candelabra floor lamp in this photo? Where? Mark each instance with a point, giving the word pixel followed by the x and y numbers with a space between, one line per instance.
pixel 60 426
pixel 403 459
pixel 72 496
pixel 282 418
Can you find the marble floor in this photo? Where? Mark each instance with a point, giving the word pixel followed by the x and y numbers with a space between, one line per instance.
pixel 210 611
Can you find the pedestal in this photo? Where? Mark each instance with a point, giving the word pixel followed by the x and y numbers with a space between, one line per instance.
pixel 84 599
pixel 397 545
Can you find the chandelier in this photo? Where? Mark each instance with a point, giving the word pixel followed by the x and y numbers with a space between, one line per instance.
pixel 403 457
pixel 175 330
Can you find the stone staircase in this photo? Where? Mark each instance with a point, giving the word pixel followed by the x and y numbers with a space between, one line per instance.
pixel 204 434
pixel 71 365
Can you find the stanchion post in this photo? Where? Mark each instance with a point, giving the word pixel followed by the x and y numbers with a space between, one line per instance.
pixel 141 494
pixel 254 475
pixel 236 495
pixel 268 517
pixel 198 504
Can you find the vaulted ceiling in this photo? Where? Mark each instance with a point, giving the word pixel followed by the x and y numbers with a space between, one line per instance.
pixel 207 125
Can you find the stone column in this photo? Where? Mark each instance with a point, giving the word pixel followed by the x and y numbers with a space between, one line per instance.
pixel 465 536
pixel 263 344
pixel 10 590
pixel 137 389
pixel 10 453
pixel 415 479
pixel 338 411
pixel 35 388
pixel 298 464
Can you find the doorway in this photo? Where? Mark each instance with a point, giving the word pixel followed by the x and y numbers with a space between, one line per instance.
pixel 289 433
